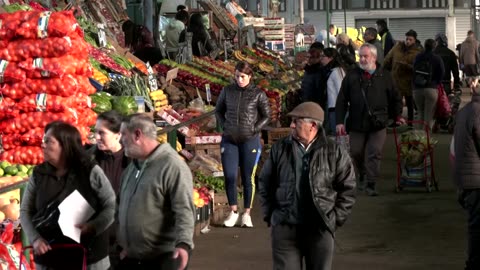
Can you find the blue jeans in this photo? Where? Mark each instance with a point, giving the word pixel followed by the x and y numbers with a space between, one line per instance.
pixel 246 155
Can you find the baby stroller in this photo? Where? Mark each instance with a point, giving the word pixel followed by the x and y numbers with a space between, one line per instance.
pixel 448 124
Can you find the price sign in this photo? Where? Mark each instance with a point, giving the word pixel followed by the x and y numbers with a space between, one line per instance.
pixel 102 37
pixel 209 93
pixel 171 74
pixel 152 81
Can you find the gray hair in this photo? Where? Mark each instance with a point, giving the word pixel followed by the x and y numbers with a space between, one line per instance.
pixel 310 120
pixel 142 122
pixel 371 47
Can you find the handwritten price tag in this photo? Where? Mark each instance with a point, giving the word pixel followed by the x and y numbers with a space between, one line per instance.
pixel 152 81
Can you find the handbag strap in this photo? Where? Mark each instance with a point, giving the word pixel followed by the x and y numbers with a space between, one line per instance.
pixel 365 99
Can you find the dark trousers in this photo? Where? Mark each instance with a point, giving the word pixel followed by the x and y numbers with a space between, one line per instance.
pixel 293 243
pixel 410 107
pixel 246 155
pixel 164 261
pixel 470 201
pixel 368 146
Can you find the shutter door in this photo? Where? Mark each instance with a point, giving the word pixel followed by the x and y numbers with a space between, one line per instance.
pixel 462 25
pixel 425 27
pixel 366 23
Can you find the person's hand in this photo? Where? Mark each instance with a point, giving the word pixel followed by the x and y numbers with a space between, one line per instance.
pixel 123 254
pixel 87 229
pixel 182 255
pixel 400 121
pixel 40 246
pixel 341 130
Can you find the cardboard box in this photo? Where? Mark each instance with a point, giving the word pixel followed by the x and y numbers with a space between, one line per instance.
pixel 204 139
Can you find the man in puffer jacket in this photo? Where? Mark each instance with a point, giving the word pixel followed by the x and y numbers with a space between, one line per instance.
pixel 307 191
pixel 467 178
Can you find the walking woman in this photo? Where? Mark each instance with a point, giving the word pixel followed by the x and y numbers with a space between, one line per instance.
pixel 425 92
pixel 67 168
pixel 334 72
pixel 110 156
pixel 242 110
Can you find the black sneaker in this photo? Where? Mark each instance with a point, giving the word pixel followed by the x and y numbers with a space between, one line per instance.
pixel 370 190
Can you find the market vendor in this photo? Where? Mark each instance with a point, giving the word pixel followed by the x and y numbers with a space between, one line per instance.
pixel 200 36
pixel 137 37
pixel 242 111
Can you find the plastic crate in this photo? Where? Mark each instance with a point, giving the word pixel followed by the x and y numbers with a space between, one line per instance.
pixel 275 134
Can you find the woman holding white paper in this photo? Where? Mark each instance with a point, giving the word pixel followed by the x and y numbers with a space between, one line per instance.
pixel 66 168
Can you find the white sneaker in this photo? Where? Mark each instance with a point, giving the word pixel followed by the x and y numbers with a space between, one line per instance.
pixel 247 221
pixel 231 220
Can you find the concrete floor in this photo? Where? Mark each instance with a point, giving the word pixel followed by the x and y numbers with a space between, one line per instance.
pixel 410 230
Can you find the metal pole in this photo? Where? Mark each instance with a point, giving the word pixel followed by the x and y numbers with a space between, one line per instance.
pixel 328 22
pixel 344 3
pixel 302 15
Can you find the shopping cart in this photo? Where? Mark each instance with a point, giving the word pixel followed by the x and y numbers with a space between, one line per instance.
pixel 82 253
pixel 414 170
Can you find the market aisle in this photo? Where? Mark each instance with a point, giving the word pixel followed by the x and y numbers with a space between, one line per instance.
pixel 412 230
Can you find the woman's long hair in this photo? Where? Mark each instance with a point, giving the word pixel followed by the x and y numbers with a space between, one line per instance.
pixel 68 136
pixel 196 23
pixel 336 59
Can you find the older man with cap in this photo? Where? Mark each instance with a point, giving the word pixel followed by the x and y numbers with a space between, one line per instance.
pixel 307 190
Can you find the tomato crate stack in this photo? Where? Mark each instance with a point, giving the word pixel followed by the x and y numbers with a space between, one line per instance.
pixel 44 71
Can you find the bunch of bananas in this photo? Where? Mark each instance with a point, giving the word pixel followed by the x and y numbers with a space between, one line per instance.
pixel 162 138
pixel 239 55
pixel 266 67
pixel 159 99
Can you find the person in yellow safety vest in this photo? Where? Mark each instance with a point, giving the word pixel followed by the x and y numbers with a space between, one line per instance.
pixel 387 40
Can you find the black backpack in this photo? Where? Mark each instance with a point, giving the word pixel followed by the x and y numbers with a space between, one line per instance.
pixel 422 73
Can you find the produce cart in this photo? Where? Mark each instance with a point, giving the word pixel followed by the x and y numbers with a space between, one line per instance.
pixel 415 166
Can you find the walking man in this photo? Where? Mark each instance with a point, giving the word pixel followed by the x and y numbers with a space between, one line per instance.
pixel 400 62
pixel 386 36
pixel 307 190
pixel 156 211
pixel 467 179
pixel 369 96
pixel 370 36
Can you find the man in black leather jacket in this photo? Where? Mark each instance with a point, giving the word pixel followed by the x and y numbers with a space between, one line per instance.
pixel 242 110
pixel 307 190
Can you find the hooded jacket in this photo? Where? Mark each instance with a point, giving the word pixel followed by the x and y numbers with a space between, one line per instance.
pixel 172 33
pixel 400 61
pixel 242 112
pixel 469 52
pixel 467 145
pixel 450 63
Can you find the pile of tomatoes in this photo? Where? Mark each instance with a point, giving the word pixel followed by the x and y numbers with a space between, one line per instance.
pixel 44 68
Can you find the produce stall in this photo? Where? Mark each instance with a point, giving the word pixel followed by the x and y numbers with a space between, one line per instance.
pixel 66 71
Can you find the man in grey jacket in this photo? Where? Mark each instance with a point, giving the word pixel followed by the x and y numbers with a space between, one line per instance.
pixel 307 191
pixel 466 168
pixel 370 36
pixel 156 211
